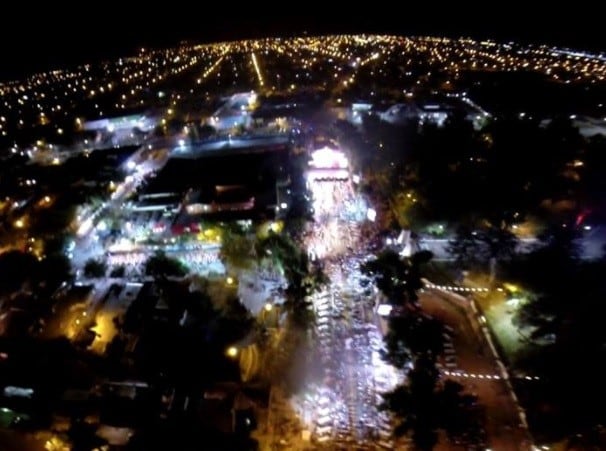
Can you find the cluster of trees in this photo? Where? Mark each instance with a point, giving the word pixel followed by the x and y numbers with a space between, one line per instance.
pixel 241 250
pixel 95 268
pixel 561 320
pixel 302 276
pixel 237 247
pixel 282 358
pixel 510 168
pixel 499 173
pixel 476 247
pixel 182 326
pixel 184 350
pixel 564 315
pixel 195 310
pixel 379 151
pixel 424 403
pixel 159 265
pixel 23 271
pixel 485 181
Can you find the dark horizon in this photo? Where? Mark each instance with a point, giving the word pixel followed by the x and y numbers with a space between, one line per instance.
pixel 323 240
pixel 62 43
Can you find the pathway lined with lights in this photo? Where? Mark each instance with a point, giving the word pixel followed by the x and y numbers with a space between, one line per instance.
pixel 463 374
pixel 257 69
pixel 210 69
pixel 455 288
pixel 341 406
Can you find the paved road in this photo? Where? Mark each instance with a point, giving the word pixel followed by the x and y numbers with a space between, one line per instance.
pixel 591 244
pixel 439 247
pixel 87 244
pixel 343 408
pixel 477 369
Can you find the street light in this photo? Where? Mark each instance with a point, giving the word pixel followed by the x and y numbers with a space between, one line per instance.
pixel 371 214
pixel 232 352
pixel 270 315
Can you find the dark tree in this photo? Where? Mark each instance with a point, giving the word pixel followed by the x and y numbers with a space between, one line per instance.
pixel 118 271
pixel 424 405
pixel 412 336
pixel 95 268
pixel 465 247
pixel 54 270
pixel 414 406
pixel 398 278
pixel 16 268
pixel 499 243
pixel 562 242
pixel 236 248
pixel 563 319
pixel 55 244
pixel 302 277
pixel 55 220
pixel 160 265
pixel 83 437
pixel 205 131
pixel 460 415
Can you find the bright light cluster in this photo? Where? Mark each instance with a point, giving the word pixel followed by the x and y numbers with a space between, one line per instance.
pixel 327 158
pixel 455 288
pixel 257 69
pixel 59 99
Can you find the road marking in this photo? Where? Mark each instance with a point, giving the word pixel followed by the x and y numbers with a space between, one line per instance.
pixel 467 375
pixel 471 375
pixel 456 288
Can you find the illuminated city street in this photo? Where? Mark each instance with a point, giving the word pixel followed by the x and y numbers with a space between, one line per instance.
pixel 340 406
pixel 338 242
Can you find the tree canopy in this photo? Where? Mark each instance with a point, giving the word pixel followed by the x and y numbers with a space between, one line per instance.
pixel 19 268
pixel 16 268
pixel 237 248
pixel 95 268
pixel 563 314
pixel 398 278
pixel 160 265
pixel 302 276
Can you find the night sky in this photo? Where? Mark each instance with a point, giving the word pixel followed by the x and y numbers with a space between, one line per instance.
pixel 54 38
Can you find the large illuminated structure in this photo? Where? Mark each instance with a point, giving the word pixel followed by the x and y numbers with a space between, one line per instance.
pixel 122 123
pixel 328 164
pixel 235 112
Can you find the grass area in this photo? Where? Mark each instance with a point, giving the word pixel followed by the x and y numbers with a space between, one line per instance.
pixel 499 315
pixel 6 417
pixel 438 273
pixel 500 320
